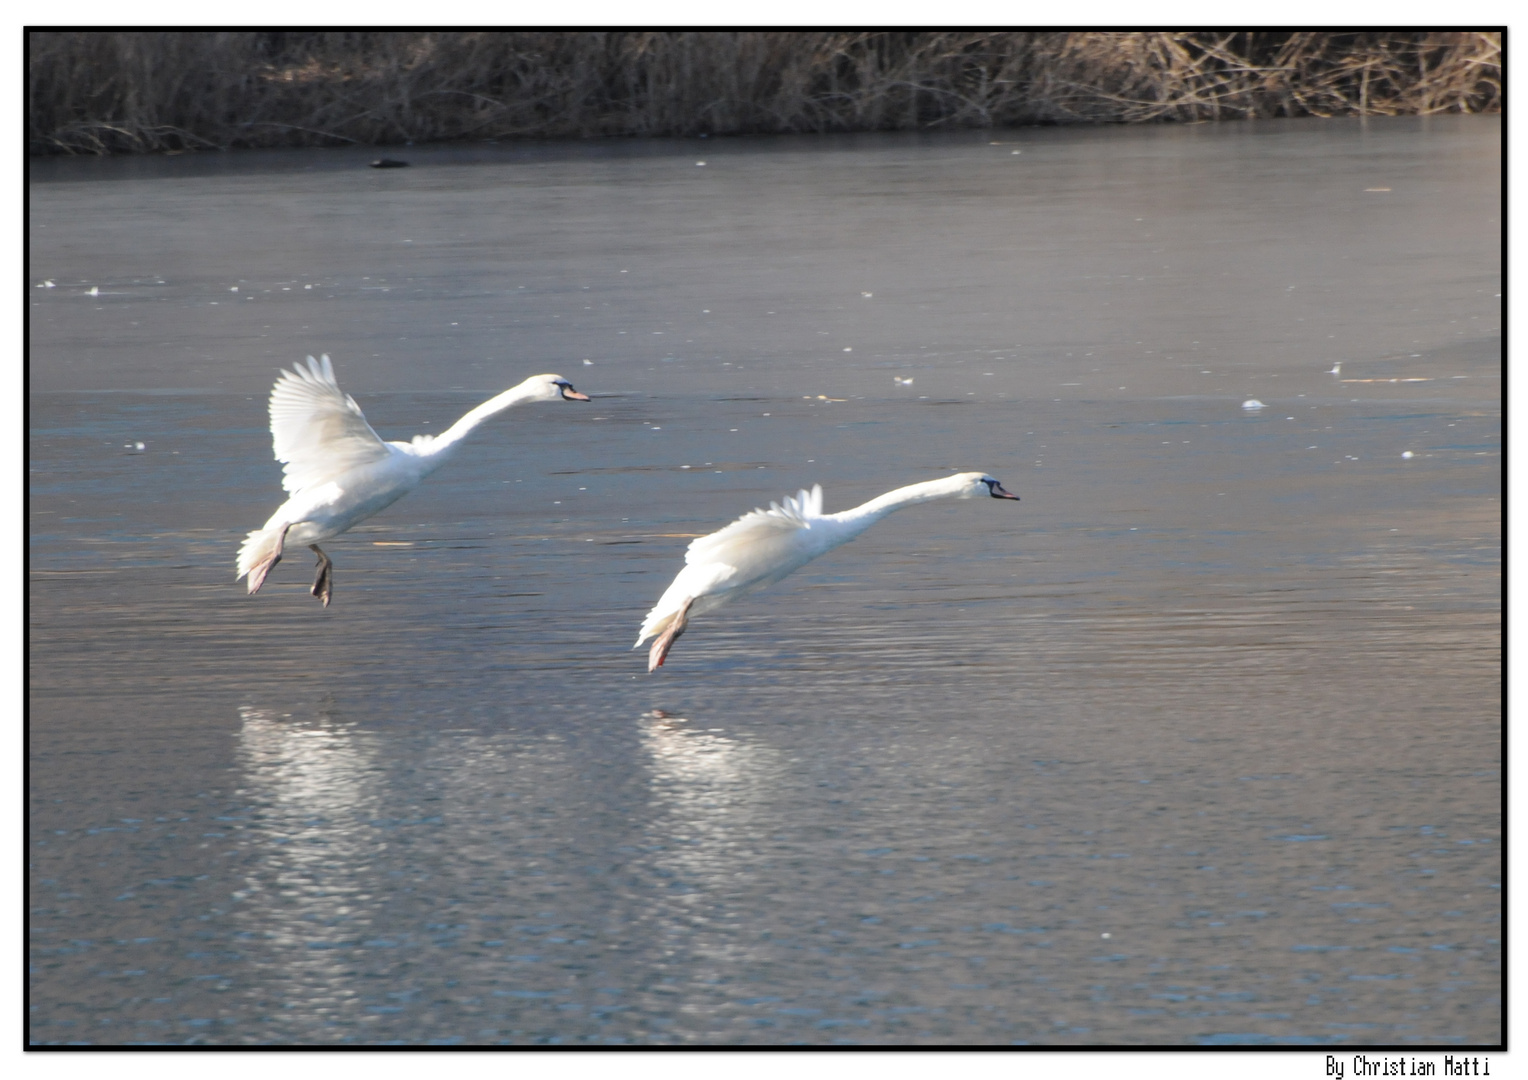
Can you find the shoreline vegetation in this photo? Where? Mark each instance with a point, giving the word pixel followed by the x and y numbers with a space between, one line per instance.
pixel 126 92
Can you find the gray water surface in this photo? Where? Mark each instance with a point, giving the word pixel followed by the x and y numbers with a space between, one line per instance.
pixel 1198 743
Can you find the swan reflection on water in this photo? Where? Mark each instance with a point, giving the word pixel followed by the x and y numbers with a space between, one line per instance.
pixel 711 799
pixel 312 783
pixel 709 793
pixel 315 769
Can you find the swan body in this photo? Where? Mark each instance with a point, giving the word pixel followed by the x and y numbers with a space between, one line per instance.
pixel 339 472
pixel 761 547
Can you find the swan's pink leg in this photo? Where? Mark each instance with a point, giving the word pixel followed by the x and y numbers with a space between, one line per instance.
pixel 665 640
pixel 259 570
pixel 323 584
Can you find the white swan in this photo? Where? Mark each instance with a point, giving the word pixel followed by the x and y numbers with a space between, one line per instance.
pixel 340 473
pixel 761 547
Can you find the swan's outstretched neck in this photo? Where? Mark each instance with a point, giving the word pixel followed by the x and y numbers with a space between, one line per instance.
pixel 458 431
pixel 867 514
pixel 447 440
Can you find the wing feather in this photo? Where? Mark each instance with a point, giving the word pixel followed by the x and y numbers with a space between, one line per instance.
pixel 786 516
pixel 317 430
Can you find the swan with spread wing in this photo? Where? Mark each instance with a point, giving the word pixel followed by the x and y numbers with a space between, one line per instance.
pixel 763 546
pixel 339 472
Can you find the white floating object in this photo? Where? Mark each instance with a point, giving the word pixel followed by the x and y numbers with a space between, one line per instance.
pixel 1336 369
pixel 1252 404
pixel 95 290
pixel 1408 454
pixel 848 348
pixel 49 284
pixel 588 363
pixel 700 163
pixel 903 382
pixel 867 295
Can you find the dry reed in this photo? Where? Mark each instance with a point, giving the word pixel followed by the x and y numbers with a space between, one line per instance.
pixel 139 91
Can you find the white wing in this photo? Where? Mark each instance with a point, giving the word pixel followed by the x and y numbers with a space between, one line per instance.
pixel 317 430
pixel 782 518
pixel 757 549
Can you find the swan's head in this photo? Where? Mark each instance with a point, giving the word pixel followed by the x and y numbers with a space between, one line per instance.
pixel 975 483
pixel 552 388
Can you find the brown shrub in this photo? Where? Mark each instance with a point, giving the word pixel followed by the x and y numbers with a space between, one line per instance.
pixel 136 91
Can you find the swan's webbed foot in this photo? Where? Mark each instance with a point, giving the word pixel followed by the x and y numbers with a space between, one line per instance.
pixel 265 566
pixel 665 641
pixel 323 583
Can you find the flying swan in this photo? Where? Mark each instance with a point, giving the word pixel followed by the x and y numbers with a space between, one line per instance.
pixel 761 547
pixel 340 473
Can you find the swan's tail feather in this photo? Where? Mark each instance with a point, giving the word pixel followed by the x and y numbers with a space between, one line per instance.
pixel 663 615
pixel 650 626
pixel 666 639
pixel 260 552
pixel 655 623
